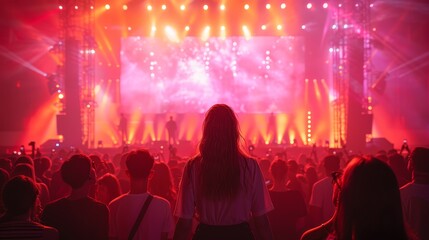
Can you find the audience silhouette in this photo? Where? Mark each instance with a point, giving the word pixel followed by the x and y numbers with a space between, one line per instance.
pixel 222 186
pixel 128 217
pixel 415 195
pixel 107 188
pixel 321 207
pixel 289 205
pixel 220 193
pixel 19 198
pixel 369 203
pixel 161 183
pixel 78 216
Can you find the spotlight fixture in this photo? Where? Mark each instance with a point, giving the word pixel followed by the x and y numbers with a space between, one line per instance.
pixel 53 85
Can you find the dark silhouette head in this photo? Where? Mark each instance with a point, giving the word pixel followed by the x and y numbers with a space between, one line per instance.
pixel 41 165
pixel 279 170
pixel 139 164
pixel 24 169
pixel 161 183
pixel 6 164
pixel 24 159
pixel 108 188
pixel 420 160
pixel 331 163
pixel 76 171
pixel 19 195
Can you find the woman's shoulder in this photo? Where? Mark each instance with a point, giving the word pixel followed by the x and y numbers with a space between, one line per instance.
pixel 249 164
pixel 250 161
pixel 193 161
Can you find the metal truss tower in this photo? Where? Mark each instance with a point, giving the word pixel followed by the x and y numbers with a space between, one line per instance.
pixel 78 47
pixel 351 42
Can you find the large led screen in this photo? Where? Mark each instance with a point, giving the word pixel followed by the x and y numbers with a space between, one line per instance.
pixel 256 75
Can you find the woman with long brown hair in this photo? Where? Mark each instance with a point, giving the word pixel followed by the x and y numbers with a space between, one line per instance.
pixel 222 187
pixel 368 205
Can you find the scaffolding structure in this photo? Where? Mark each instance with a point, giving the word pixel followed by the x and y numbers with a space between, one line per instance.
pixel 77 23
pixel 351 20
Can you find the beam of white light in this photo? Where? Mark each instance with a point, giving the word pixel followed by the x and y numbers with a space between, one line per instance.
pixel 12 56
pixel 171 34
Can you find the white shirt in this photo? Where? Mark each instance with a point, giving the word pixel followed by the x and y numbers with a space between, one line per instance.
pixel 321 197
pixel 255 201
pixel 125 209
pixel 415 205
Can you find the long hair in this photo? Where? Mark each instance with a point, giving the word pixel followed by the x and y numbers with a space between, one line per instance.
pixel 369 202
pixel 161 182
pixel 111 184
pixel 220 154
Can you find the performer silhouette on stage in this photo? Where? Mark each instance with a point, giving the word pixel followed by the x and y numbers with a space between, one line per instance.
pixel 171 127
pixel 123 126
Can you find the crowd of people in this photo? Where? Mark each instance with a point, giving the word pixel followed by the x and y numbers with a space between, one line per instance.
pixel 220 193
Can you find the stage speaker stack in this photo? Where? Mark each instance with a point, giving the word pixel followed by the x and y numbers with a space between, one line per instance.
pixel 359 123
pixel 69 123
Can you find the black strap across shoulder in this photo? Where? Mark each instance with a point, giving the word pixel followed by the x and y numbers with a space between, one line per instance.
pixel 140 217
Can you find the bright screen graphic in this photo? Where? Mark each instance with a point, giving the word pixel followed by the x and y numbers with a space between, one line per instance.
pixel 262 74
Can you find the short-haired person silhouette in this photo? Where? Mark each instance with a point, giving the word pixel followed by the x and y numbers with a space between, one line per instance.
pixel 19 198
pixel 157 222
pixel 289 204
pixel 321 207
pixel 415 195
pixel 78 216
pixel 222 186
pixel 26 169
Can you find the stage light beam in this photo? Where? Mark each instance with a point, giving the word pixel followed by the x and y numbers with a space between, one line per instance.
pixel 246 32
pixel 223 32
pixel 171 34
pixel 206 33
